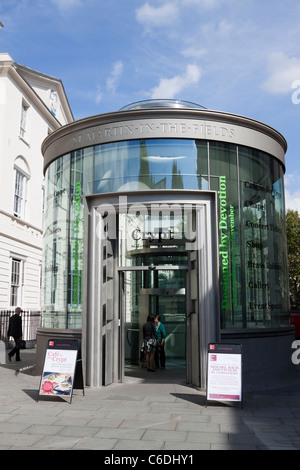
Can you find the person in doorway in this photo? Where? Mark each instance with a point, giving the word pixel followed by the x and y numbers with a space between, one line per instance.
pixel 15 330
pixel 160 356
pixel 150 342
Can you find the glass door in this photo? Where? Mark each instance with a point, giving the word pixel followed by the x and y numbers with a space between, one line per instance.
pixel 153 261
pixel 152 256
pixel 154 291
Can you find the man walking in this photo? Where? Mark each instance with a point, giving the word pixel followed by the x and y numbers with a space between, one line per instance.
pixel 15 330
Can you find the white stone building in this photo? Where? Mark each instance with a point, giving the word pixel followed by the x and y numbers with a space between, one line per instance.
pixel 32 105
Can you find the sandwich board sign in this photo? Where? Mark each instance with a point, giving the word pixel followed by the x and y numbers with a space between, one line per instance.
pixel 59 370
pixel 224 372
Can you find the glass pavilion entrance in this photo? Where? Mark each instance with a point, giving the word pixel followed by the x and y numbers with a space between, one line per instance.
pixel 149 258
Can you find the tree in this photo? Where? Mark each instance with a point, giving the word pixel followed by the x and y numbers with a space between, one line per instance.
pixel 144 173
pixel 293 242
pixel 177 182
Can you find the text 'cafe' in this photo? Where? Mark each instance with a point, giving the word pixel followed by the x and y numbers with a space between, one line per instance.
pixel 165 207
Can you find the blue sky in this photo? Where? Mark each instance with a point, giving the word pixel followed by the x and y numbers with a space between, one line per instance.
pixel 238 56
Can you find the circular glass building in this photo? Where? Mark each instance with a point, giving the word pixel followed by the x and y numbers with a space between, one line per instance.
pixel 168 208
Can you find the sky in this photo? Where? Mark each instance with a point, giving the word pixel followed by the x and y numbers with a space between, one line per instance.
pixel 237 56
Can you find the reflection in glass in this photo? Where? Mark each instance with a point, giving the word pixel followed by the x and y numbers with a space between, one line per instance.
pixel 266 299
pixel 150 164
pixel 154 234
pixel 251 214
pixel 155 293
pixel 66 184
pixel 56 236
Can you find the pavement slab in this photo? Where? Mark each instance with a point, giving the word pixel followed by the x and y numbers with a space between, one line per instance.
pixel 143 414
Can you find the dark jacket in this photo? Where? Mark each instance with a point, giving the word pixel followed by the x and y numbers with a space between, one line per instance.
pixel 149 331
pixel 15 326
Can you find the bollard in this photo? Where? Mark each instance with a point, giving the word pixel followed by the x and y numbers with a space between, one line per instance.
pixel 2 353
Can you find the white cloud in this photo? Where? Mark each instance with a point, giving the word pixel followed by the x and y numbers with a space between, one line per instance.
pixel 292 200
pixel 225 28
pixel 283 71
pixel 150 16
pixel 168 88
pixel 113 80
pixel 99 94
pixel 194 52
pixel 292 191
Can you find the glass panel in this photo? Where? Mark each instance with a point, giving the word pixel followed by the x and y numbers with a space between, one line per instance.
pixel 66 184
pixel 251 215
pixel 171 309
pixel 56 244
pixel 147 235
pixel 76 241
pixel 224 180
pixel 20 183
pixel 150 164
pixel 262 201
pixel 156 293
pixel 202 164
pixel 24 111
pixel 15 282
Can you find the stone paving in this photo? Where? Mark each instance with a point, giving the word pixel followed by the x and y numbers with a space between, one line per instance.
pixel 153 412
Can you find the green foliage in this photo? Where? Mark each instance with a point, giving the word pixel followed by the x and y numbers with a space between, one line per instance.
pixel 293 242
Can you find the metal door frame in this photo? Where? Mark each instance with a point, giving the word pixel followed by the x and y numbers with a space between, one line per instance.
pixel 121 271
pixel 203 286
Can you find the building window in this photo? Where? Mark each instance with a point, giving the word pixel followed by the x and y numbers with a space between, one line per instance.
pixel 20 194
pixel 53 98
pixel 16 282
pixel 24 114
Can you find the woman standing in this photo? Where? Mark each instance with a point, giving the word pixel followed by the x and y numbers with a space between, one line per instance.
pixel 150 342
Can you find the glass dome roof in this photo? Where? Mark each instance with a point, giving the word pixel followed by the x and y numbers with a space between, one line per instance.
pixel 168 103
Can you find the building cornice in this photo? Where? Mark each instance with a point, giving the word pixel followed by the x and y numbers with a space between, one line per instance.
pixel 153 123
pixel 21 222
pixel 18 74
pixel 33 97
pixel 39 76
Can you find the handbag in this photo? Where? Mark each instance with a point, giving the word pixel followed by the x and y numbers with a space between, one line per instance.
pixel 21 344
pixel 153 341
